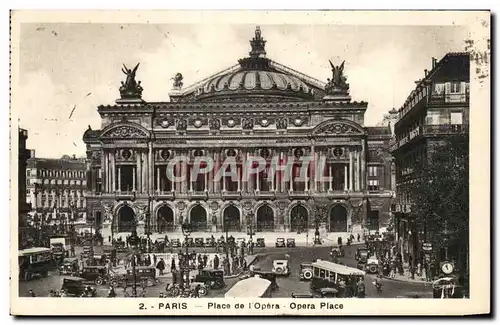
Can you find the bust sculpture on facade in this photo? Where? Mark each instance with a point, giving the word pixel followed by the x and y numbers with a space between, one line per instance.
pixel 338 84
pixel 130 89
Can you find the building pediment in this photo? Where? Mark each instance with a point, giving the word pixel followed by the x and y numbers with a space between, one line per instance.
pixel 338 128
pixel 124 131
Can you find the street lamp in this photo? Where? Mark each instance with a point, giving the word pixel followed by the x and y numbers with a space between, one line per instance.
pixel 186 231
pixel 226 229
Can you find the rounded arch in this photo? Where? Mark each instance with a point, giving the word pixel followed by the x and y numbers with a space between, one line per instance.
pixel 231 218
pixel 338 216
pixel 164 218
pixel 125 219
pixel 265 218
pixel 125 129
pixel 299 218
pixel 198 217
pixel 338 126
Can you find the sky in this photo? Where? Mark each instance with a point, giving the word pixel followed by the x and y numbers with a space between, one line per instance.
pixel 77 67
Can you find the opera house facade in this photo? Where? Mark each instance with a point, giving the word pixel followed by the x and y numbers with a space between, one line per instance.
pixel 257 108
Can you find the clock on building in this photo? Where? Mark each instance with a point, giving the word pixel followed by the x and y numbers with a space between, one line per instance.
pixel 447 267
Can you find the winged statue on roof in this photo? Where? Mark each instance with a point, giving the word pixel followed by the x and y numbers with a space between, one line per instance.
pixel 130 88
pixel 338 83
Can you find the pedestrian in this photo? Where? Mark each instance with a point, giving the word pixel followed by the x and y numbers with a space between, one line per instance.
pixel 216 261
pixel 359 237
pixel 72 251
pixel 360 288
pixel 174 277
pixel 172 265
pixel 155 259
pixel 161 266
pixel 205 260
pixel 339 240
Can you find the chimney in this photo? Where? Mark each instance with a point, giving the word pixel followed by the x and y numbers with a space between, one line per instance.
pixel 425 72
pixel 434 62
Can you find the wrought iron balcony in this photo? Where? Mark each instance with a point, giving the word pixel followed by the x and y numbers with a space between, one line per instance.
pixel 444 129
pixel 449 98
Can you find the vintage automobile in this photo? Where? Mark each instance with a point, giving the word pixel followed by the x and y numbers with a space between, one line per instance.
pixel 301 295
pixel 362 257
pixel 372 265
pixel 328 293
pixel 74 287
pixel 200 287
pixel 58 252
pixel 209 242
pixel 175 243
pixel 95 274
pixel 69 266
pixel 189 242
pixel 144 275
pixel 87 251
pixel 280 242
pixel 280 267
pixel 337 251
pixel 260 242
pixel 212 278
pixel 199 242
pixel 290 242
pixel 305 272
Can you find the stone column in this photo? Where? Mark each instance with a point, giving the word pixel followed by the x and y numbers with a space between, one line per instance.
pixel 291 177
pixel 211 175
pixel 104 173
pixel 206 183
pixel 244 171
pixel 345 177
pixel 133 179
pixel 250 181
pixel 224 181
pixel 273 175
pixel 330 185
pixel 158 179
pixel 257 181
pixel 314 183
pixel 151 164
pixel 217 167
pixel 358 171
pixel 351 169
pixel 283 160
pixel 363 165
pixel 191 180
pixel 113 171
pixel 139 172
pixel 143 171
pixel 119 178
pixel 238 172
pixel 184 174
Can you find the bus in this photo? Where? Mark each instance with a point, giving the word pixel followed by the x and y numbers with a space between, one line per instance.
pixel 254 287
pixel 332 275
pixel 61 242
pixel 35 260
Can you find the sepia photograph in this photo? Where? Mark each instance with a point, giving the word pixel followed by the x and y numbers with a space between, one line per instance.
pixel 250 163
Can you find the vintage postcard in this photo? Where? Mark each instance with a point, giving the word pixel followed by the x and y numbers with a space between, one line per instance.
pixel 250 163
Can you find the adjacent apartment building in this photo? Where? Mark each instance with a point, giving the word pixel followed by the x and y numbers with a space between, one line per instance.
pixel 438 107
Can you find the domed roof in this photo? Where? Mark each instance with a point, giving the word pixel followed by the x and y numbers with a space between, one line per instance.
pixel 257 78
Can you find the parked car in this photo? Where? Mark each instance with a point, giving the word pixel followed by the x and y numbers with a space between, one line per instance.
pixel 280 267
pixel 305 271
pixel 199 242
pixel 290 242
pixel 176 243
pixel 74 287
pixel 372 265
pixel 87 251
pixel 212 278
pixel 260 242
pixel 95 274
pixel 209 242
pixel 280 242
